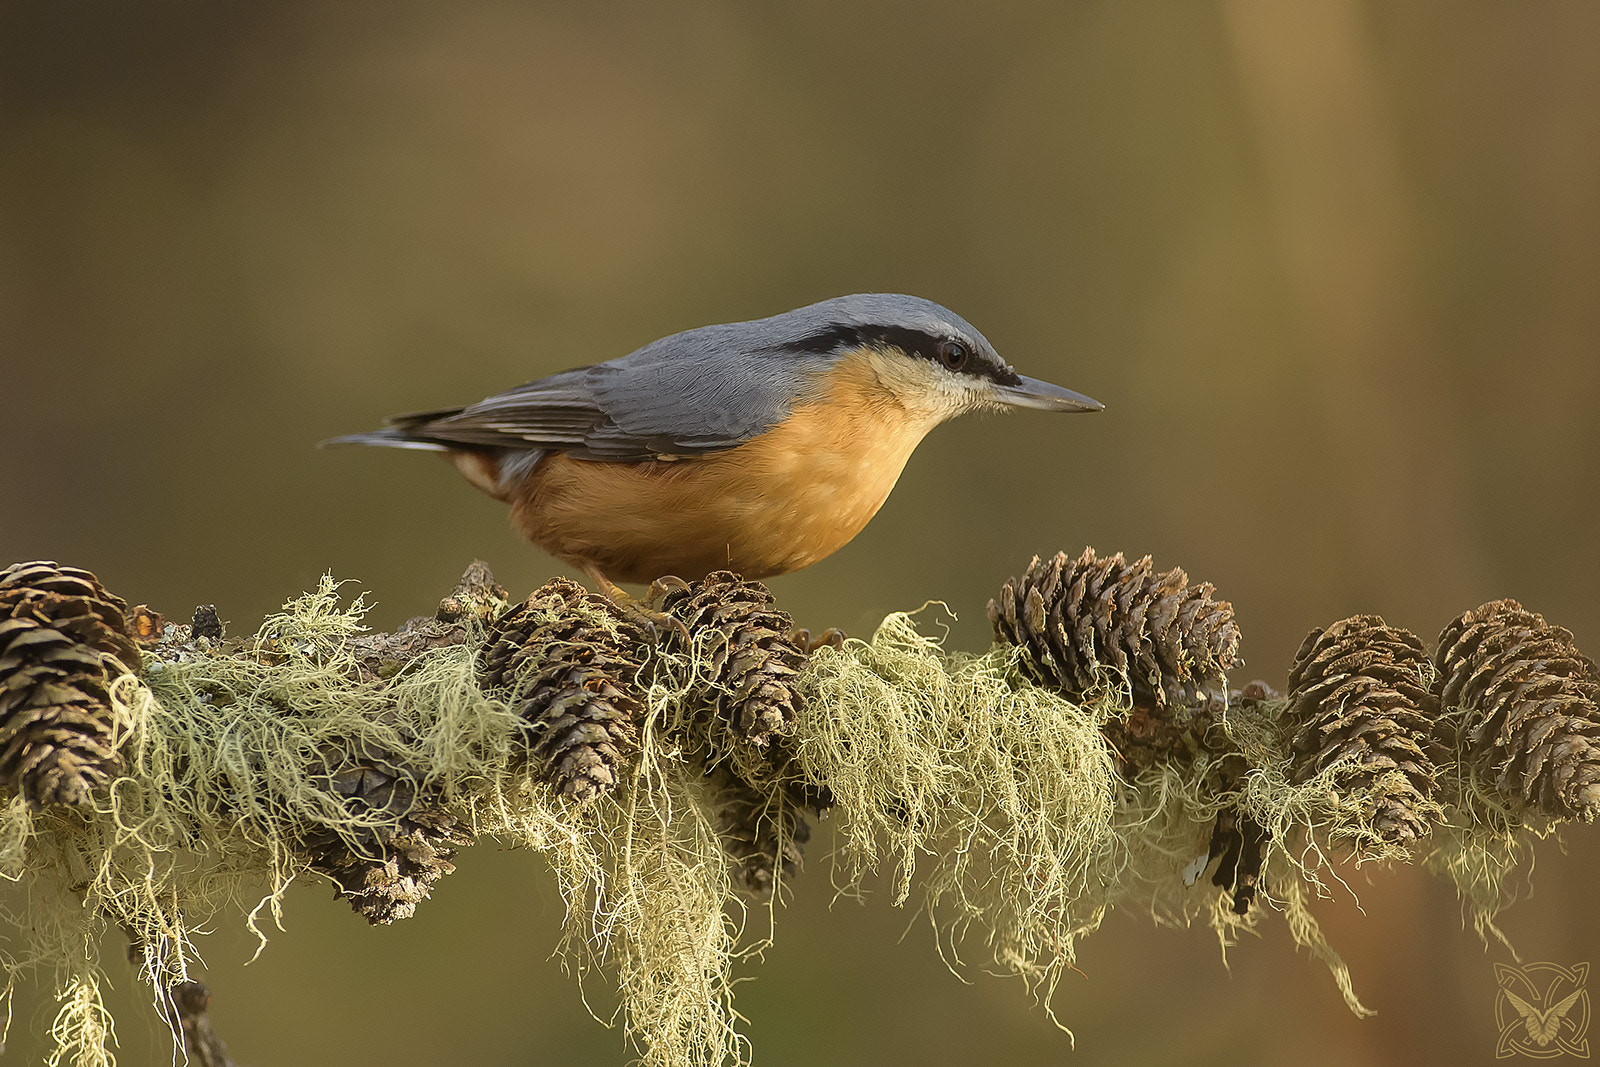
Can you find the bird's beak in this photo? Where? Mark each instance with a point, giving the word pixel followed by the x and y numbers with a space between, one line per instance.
pixel 1042 396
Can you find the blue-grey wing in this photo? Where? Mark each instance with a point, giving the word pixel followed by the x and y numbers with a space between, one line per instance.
pixel 690 394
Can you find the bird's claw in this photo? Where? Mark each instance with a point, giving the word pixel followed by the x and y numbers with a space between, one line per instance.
pixel 675 627
pixel 664 627
pixel 832 637
pixel 667 583
pixel 644 612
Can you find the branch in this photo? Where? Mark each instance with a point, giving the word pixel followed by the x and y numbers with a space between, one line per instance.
pixel 668 758
pixel 201 1045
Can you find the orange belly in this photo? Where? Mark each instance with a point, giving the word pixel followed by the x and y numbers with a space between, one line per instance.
pixel 778 502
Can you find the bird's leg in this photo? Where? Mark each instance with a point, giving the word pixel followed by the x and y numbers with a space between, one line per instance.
pixel 642 611
pixel 608 589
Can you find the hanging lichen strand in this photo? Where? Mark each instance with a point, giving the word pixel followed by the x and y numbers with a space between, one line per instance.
pixel 669 758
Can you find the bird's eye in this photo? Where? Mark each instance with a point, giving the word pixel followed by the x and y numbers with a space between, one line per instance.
pixel 953 354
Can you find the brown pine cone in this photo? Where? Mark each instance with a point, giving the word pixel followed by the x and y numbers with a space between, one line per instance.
pixel 63 640
pixel 1079 620
pixel 753 660
pixel 387 871
pixel 1531 726
pixel 762 837
pixel 572 679
pixel 1146 736
pixel 1358 692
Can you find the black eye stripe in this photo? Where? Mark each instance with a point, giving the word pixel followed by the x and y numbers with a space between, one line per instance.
pixel 914 342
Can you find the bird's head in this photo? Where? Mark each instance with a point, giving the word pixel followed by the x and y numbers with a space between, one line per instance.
pixel 929 358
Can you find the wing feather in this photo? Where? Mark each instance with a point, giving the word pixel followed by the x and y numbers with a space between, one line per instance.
pixel 689 394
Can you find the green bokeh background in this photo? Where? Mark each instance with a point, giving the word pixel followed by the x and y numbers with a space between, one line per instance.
pixel 1333 267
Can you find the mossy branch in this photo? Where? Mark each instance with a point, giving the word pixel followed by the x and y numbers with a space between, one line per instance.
pixel 668 759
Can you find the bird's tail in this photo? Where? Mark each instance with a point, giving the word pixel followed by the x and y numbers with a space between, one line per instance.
pixel 385 438
pixel 402 432
pixel 498 471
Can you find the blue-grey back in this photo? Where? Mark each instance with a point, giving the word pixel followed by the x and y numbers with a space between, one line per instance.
pixel 702 390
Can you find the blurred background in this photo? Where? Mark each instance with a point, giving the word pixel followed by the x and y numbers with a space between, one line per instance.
pixel 1334 268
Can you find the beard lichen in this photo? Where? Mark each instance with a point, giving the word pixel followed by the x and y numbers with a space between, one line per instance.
pixel 995 797
pixel 1006 815
pixel 998 807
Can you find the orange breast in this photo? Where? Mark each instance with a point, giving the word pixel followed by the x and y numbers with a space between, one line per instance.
pixel 776 503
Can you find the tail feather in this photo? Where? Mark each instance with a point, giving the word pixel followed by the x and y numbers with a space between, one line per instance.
pixel 403 431
pixel 497 471
pixel 386 438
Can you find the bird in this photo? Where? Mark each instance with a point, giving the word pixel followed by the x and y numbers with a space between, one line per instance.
pixel 758 447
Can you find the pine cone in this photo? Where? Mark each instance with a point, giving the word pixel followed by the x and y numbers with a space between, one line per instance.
pixel 760 835
pixel 1530 696
pixel 1358 692
pixel 1076 620
pixel 387 871
pixel 63 640
pixel 572 682
pixel 1145 737
pixel 752 658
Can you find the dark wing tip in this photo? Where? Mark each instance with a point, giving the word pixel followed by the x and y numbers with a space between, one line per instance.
pixel 414 419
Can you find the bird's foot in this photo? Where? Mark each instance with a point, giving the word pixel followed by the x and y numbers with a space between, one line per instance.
pixel 832 637
pixel 660 624
pixel 667 583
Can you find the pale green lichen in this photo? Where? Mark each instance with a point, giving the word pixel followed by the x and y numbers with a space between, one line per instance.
pixel 1000 806
pixel 996 805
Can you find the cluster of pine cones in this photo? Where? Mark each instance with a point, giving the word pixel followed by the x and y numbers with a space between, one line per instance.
pixel 575 665
pixel 1504 704
pixel 1505 695
pixel 1505 701
pixel 64 639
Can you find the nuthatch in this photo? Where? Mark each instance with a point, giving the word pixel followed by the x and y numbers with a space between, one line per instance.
pixel 760 447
